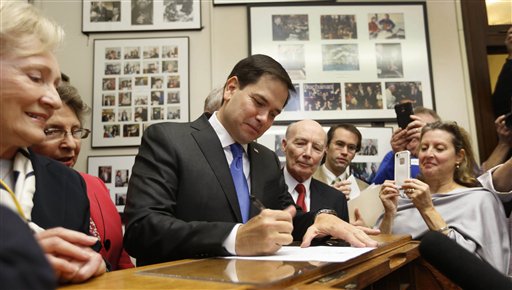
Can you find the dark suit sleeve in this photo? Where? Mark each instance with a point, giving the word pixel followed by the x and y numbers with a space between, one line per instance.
pixel 22 263
pixel 168 215
pixel 324 196
pixel 341 207
pixel 386 169
pixel 502 95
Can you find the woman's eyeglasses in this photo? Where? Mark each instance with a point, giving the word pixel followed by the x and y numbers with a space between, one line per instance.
pixel 56 133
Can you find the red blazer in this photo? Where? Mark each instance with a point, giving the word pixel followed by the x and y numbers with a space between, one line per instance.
pixel 108 223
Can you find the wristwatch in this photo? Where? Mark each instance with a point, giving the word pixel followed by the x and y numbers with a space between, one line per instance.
pixel 327 211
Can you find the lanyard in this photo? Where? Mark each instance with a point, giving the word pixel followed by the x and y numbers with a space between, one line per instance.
pixel 13 196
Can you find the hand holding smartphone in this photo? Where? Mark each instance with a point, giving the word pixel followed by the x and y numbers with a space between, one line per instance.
pixel 402 169
pixel 508 120
pixel 403 114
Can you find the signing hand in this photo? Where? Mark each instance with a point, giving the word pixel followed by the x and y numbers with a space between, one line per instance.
pixel 265 233
pixel 70 254
pixel 331 225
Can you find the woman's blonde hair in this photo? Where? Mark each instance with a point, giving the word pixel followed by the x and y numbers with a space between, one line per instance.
pixel 25 31
pixel 465 173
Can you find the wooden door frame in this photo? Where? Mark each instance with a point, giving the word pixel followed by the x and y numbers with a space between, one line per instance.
pixel 476 33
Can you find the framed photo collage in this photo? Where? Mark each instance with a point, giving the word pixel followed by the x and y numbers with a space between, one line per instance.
pixel 347 61
pixel 138 82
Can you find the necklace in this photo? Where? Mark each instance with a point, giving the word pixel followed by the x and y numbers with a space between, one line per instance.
pixel 14 199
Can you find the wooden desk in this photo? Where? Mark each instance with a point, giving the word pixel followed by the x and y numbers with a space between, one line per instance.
pixel 396 252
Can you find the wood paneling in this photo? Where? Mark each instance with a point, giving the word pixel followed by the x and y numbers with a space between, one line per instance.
pixel 474 19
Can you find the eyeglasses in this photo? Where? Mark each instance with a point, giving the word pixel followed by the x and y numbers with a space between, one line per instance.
pixel 352 148
pixel 56 133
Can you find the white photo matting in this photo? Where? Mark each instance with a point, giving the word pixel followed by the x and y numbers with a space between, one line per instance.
pixel 138 82
pixel 243 2
pixel 115 172
pixel 347 61
pixel 140 15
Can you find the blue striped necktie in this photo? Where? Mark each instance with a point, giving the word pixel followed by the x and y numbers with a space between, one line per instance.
pixel 237 172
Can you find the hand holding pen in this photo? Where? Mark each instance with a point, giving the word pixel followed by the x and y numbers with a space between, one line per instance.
pixel 265 233
pixel 257 203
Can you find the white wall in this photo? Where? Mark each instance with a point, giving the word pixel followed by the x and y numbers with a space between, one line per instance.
pixel 224 40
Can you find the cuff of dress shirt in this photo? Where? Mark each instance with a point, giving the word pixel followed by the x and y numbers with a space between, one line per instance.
pixel 230 242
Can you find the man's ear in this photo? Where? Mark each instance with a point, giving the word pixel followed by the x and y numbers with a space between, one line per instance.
pixel 283 144
pixel 232 85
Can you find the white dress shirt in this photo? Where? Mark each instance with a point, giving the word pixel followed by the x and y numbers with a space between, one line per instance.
pixel 226 140
pixel 292 183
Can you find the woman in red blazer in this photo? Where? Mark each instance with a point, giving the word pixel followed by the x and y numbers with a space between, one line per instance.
pixel 63 139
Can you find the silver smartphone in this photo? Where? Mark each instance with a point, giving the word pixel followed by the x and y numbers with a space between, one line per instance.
pixel 402 169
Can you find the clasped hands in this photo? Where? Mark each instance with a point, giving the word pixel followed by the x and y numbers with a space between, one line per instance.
pixel 70 254
pixel 267 232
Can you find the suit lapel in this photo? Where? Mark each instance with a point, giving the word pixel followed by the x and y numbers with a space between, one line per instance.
pixel 315 197
pixel 321 175
pixel 211 148
pixel 256 183
pixel 47 199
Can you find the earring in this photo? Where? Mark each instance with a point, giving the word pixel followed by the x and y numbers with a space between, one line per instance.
pixel 457 165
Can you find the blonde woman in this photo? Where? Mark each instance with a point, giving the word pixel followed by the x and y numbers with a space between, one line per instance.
pixel 50 197
pixel 446 197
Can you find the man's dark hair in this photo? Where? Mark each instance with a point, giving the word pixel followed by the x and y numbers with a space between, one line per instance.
pixel 349 127
pixel 249 70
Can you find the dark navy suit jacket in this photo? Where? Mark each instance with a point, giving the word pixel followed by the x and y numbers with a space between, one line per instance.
pixel 182 202
pixel 323 196
pixel 60 199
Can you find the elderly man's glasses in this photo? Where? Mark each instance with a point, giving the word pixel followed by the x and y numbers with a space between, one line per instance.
pixel 56 133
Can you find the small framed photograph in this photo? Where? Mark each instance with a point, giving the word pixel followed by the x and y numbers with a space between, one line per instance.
pixel 243 2
pixel 115 172
pixel 138 82
pixel 374 146
pixel 140 15
pixel 348 61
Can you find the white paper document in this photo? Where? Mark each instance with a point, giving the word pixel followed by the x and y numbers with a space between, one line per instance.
pixel 354 188
pixel 319 253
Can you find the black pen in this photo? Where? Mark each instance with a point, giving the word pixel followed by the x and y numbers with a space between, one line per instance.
pixel 256 202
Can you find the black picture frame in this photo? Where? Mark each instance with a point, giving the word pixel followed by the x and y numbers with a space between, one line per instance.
pixel 138 82
pixel 140 15
pixel 342 68
pixel 248 2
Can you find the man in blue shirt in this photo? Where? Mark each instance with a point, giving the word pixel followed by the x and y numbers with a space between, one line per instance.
pixel 405 139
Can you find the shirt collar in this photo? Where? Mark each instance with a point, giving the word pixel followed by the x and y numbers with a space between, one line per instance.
pixel 292 182
pixel 222 133
pixel 330 176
